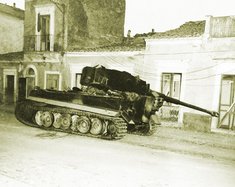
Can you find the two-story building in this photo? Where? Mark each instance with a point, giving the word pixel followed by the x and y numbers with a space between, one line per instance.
pixel 11 51
pixel 61 37
pixel 196 64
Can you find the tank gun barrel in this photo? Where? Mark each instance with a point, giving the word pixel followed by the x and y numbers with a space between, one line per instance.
pixel 178 102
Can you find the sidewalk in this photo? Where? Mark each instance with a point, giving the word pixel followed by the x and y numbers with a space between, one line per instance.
pixel 219 144
pixel 212 145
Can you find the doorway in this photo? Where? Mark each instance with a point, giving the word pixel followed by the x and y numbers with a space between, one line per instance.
pixel 227 103
pixel 9 85
pixel 44 28
pixel 9 89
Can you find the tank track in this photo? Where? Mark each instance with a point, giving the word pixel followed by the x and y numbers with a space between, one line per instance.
pixel 150 129
pixel 145 130
pixel 114 128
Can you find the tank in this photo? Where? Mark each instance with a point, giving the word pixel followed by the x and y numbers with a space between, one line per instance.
pixel 109 104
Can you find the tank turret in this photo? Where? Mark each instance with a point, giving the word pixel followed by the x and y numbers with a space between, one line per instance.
pixel 109 104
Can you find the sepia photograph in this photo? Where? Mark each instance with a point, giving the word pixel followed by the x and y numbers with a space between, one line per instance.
pixel 117 93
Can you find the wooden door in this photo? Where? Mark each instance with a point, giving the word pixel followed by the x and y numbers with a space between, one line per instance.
pixel 10 82
pixel 227 102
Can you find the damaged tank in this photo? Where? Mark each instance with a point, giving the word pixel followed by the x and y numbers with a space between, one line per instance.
pixel 109 104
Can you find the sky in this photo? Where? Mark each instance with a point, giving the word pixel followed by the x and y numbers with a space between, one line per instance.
pixel 144 15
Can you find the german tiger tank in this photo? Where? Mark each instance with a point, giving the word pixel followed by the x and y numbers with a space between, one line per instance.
pixel 109 104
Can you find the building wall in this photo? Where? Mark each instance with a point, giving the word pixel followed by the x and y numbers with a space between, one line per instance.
pixel 202 62
pixel 122 61
pixel 226 26
pixel 73 63
pixel 8 68
pixel 42 63
pixel 31 26
pixel 11 45
pixel 95 23
pixel 12 32
pixel 76 24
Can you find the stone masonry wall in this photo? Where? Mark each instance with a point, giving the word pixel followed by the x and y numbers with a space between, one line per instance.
pixel 95 23
pixel 79 24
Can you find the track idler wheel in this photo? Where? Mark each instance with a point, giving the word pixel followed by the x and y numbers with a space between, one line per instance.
pixel 97 126
pixel 83 124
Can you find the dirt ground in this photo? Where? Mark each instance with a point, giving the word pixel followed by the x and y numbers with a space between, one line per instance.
pixel 217 145
pixel 34 157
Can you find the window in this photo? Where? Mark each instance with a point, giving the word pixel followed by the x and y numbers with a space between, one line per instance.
pixel 171 84
pixel 45 27
pixel 52 80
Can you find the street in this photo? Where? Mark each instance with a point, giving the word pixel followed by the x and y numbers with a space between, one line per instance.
pixel 35 157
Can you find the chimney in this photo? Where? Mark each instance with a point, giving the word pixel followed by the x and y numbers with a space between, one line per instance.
pixel 129 34
pixel 208 27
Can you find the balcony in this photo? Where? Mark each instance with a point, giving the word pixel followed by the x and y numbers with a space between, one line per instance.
pixel 39 43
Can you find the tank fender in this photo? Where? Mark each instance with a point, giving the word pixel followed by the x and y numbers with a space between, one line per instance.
pixel 127 118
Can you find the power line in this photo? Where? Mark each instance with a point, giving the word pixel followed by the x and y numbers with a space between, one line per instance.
pixel 190 52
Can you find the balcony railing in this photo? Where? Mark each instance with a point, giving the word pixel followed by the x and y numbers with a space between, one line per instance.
pixel 40 43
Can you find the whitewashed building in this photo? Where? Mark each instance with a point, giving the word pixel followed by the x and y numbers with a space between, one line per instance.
pixel 196 64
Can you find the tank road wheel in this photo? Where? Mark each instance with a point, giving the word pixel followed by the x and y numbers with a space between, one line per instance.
pixel 47 119
pixel 112 128
pixel 97 126
pixel 83 125
pixel 38 118
pixel 65 121
pixel 74 122
pixel 57 120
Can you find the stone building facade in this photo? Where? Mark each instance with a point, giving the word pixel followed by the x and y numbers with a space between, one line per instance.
pixel 61 37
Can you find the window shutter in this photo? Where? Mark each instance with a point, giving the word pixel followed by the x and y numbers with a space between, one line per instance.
pixel 39 22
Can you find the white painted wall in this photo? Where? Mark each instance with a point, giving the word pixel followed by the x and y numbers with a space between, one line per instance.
pixel 122 61
pixel 201 60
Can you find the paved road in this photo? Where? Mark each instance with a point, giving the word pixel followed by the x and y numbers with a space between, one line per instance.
pixel 34 157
